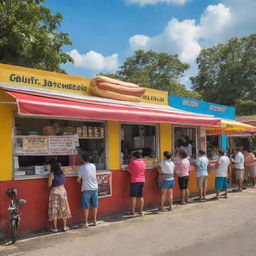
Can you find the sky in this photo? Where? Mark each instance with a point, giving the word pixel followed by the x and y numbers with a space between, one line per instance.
pixel 105 32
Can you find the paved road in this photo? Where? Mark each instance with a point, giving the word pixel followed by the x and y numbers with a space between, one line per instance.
pixel 224 227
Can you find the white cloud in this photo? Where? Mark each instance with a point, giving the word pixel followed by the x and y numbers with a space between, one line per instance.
pixel 217 24
pixel 183 37
pixel 214 20
pixel 152 2
pixel 95 61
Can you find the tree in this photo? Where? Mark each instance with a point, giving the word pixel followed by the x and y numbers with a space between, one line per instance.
pixel 227 74
pixel 160 71
pixel 29 36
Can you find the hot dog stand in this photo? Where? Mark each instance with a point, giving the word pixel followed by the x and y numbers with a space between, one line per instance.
pixel 45 115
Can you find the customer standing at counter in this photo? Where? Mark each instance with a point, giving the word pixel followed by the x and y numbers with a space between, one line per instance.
pixel 87 176
pixel 137 170
pixel 182 167
pixel 239 166
pixel 221 174
pixel 250 163
pixel 202 174
pixel 58 201
pixel 165 171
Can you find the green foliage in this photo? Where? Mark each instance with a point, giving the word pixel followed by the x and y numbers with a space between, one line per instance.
pixel 245 107
pixel 29 35
pixel 227 74
pixel 159 71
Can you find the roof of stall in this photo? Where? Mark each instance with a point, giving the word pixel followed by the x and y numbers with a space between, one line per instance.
pixel 47 103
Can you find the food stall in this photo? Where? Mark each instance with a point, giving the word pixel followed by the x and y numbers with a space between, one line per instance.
pixel 218 140
pixel 237 133
pixel 47 115
pixel 208 138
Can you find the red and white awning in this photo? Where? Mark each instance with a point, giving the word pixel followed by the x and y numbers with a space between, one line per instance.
pixel 33 104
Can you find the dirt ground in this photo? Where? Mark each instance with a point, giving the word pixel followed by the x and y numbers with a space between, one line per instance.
pixel 216 227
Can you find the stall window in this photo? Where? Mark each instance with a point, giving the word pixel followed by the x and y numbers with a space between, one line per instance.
pixel 185 138
pixel 213 141
pixel 39 140
pixel 141 138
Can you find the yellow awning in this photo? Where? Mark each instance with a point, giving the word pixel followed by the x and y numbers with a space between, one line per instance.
pixel 231 127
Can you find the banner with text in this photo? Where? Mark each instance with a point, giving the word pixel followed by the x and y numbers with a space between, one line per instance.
pixel 61 82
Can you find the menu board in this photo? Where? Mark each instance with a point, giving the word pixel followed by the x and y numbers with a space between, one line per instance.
pixel 46 145
pixel 32 145
pixel 104 183
pixel 62 145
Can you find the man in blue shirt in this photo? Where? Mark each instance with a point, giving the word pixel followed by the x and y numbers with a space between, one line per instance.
pixel 202 174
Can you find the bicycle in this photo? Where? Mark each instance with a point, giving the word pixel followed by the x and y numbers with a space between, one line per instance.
pixel 14 213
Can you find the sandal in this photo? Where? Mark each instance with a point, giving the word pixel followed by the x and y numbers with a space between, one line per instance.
pixel 85 225
pixel 66 229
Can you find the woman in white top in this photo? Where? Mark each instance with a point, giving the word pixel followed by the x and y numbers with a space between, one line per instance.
pixel 165 171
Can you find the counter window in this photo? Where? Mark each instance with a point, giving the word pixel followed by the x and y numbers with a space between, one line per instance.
pixel 39 140
pixel 212 142
pixel 140 138
pixel 185 138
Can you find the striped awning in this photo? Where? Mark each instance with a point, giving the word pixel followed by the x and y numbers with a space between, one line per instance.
pixel 231 127
pixel 31 103
pixel 34 105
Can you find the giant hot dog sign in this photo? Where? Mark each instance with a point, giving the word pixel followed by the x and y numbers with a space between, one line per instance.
pixel 100 86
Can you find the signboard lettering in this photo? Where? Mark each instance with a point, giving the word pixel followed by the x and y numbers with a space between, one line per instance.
pixel 190 103
pixel 61 82
pixel 216 108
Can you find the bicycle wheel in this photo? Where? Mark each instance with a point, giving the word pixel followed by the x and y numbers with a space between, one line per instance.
pixel 14 230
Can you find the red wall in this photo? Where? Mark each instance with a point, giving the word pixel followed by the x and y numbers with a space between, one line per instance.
pixel 35 212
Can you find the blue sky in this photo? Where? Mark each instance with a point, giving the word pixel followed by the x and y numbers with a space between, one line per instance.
pixel 105 32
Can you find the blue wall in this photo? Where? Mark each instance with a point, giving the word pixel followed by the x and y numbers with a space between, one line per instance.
pixel 203 107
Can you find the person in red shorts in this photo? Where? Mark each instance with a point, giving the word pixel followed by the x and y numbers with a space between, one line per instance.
pixel 137 170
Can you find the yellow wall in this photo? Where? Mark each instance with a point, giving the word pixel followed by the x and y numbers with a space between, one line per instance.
pixel 6 123
pixel 165 139
pixel 193 181
pixel 114 147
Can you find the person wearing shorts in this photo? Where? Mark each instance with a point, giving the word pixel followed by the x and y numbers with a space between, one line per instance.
pixel 182 167
pixel 166 182
pixel 137 170
pixel 221 174
pixel 202 174
pixel 239 168
pixel 250 166
pixel 87 176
